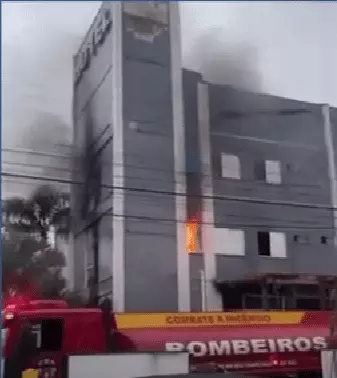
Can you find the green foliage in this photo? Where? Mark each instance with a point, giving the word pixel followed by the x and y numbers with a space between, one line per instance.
pixel 25 246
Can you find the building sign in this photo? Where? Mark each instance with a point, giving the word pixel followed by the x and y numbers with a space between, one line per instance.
pixel 96 37
pixel 246 347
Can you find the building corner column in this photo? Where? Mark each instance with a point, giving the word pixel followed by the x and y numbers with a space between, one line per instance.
pixel 212 298
pixel 183 268
pixel 118 221
pixel 328 134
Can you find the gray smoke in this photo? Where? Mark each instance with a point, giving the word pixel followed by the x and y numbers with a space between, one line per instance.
pixel 37 55
pixel 222 59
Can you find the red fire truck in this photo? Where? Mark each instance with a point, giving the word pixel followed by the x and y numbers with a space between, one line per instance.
pixel 272 343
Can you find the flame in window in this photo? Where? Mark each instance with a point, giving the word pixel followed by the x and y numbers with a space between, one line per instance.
pixel 192 229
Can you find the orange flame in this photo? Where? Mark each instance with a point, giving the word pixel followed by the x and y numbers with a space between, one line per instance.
pixel 192 236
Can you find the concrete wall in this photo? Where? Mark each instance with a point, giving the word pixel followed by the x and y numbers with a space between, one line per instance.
pixel 150 236
pixel 256 128
pixel 123 115
pixel 259 128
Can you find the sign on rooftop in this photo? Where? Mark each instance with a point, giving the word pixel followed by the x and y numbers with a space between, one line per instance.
pixel 95 38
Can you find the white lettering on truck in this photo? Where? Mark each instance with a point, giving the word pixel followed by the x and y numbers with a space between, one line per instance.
pixel 244 347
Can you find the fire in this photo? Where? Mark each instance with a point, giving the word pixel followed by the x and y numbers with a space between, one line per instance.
pixel 192 229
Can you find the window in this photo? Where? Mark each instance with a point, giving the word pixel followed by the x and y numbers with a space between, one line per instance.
pixel 49 334
pixel 230 166
pixel 308 303
pixel 272 244
pixel 263 240
pixel 260 170
pixel 268 171
pixel 229 242
pixel 278 244
pixel 273 172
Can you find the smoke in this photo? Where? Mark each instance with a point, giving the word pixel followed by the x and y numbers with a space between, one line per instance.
pixel 37 53
pixel 222 59
pixel 36 84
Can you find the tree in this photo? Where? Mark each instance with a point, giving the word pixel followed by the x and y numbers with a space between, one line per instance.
pixel 36 213
pixel 26 248
pixel 28 264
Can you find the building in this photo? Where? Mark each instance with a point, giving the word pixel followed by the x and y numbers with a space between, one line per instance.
pixel 190 195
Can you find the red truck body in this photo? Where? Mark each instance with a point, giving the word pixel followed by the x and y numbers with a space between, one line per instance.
pixel 285 346
pixel 256 343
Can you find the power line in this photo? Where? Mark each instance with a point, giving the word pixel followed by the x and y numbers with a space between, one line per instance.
pixel 224 225
pixel 215 178
pixel 32 152
pixel 29 165
pixel 146 168
pixel 172 193
pixel 164 206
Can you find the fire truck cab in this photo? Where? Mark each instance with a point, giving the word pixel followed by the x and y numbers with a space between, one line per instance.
pixel 38 334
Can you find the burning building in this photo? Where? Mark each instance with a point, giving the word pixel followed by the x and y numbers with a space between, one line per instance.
pixel 189 195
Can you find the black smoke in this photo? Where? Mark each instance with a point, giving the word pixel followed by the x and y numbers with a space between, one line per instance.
pixel 223 59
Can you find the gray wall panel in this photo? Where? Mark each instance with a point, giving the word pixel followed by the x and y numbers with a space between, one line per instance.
pixel 150 244
pixel 260 127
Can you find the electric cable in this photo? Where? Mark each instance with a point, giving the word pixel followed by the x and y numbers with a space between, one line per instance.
pixel 173 193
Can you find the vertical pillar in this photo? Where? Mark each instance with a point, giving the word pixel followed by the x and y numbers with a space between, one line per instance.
pixel 118 220
pixel 331 163
pixel 264 290
pixel 183 268
pixel 154 260
pixel 213 300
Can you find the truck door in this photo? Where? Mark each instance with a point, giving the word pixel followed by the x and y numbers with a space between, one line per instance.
pixel 49 346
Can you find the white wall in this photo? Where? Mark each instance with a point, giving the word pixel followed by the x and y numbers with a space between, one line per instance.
pixel 128 365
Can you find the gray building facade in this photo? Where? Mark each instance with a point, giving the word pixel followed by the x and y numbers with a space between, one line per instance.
pixel 129 143
pixel 266 187
pixel 179 182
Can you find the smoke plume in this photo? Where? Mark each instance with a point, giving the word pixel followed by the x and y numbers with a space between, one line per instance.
pixel 222 59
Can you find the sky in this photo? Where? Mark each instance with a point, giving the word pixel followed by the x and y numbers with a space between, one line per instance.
pixel 289 47
pixel 283 48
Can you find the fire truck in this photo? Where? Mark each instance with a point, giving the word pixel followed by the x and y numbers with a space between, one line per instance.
pixel 40 334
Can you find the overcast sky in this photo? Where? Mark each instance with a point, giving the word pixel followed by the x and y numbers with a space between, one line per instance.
pixel 291 47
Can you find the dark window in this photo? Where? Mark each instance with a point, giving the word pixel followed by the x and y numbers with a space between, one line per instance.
pixel 324 240
pixel 49 335
pixel 263 241
pixel 296 238
pixel 260 170
pixel 252 302
pixel 274 303
pixel 308 304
